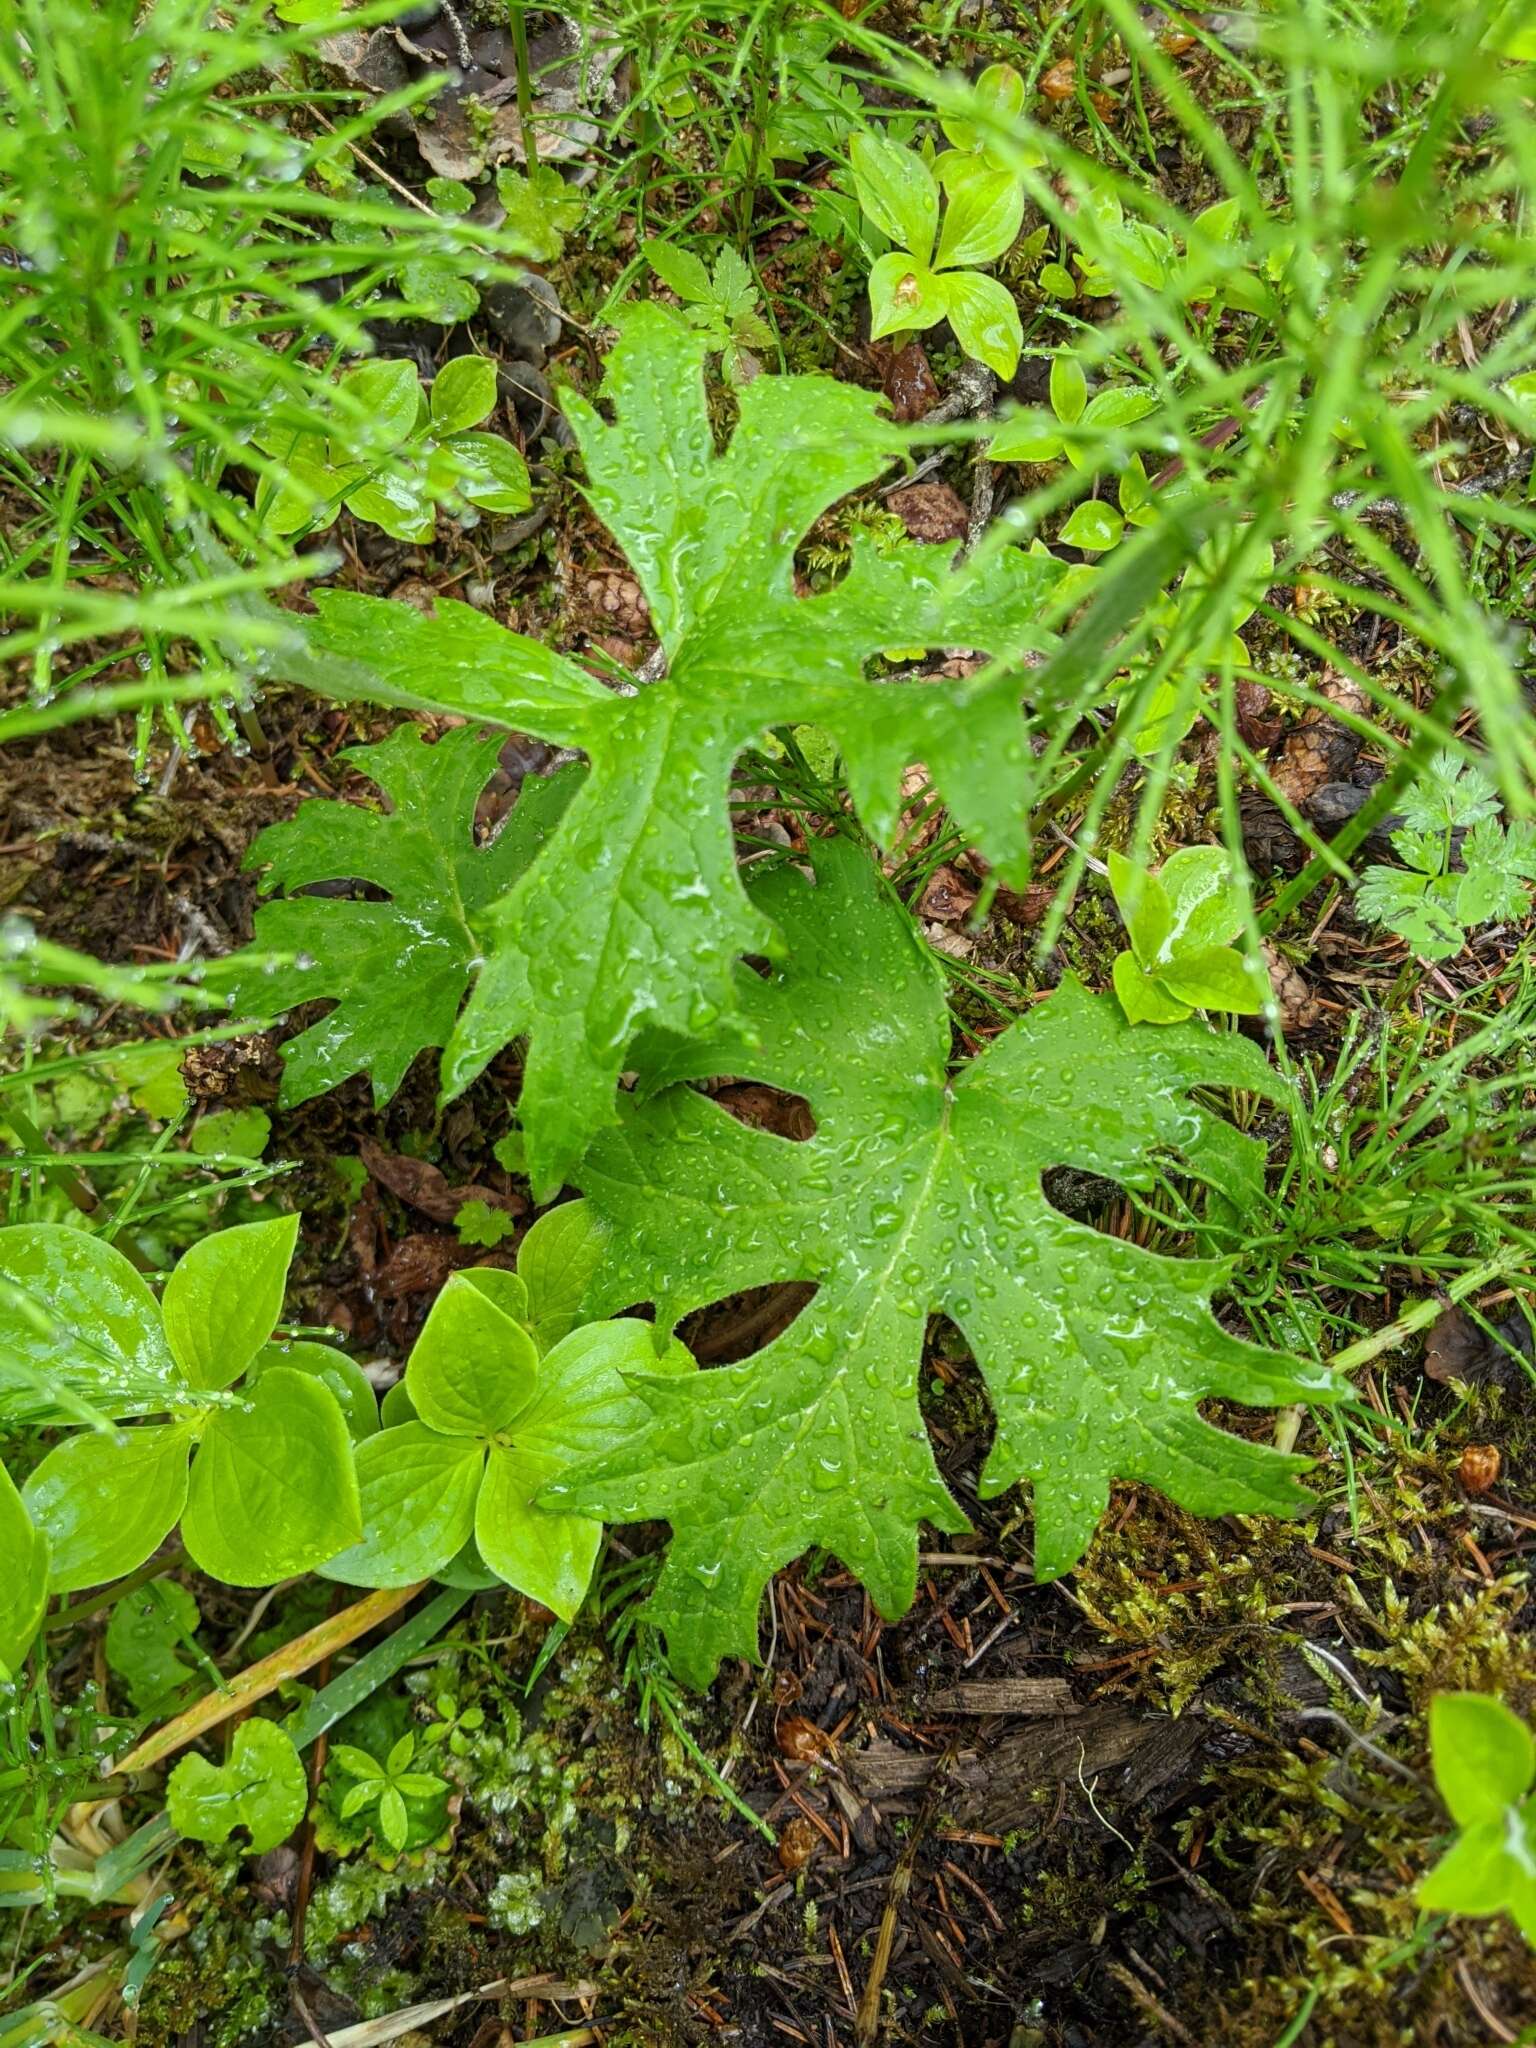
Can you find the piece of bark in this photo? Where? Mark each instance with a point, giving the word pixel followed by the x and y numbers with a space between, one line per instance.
pixel 427 1189
pixel 996 1790
pixel 1260 719
pixel 947 898
pixel 1299 1008
pixel 1004 1696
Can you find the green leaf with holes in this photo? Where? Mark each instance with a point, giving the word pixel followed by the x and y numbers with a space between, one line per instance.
pixel 919 1193
pixel 629 917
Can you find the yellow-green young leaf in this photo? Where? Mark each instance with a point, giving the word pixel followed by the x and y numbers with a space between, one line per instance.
pixel 1484 1756
pixel 903 296
pixel 897 190
pixel 272 1490
pixel 1144 907
pixel 999 95
pixel 585 1406
pixel 108 1499
pixel 558 1261
pixel 423 851
pixel 983 211
pixel 224 1298
pixel 463 392
pixel 985 319
pixel 344 1376
pixel 379 405
pixel 490 473
pixel 472 1369
pixel 263 1788
pixel 1216 979
pixel 1092 525
pixel 311 493
pixel 80 1334
pixel 399 505
pixel 548 1556
pixel 23 1578
pixel 1069 389
pixel 631 918
pixel 919 1192
pixel 1484 1762
pixel 418 1491
pixel 1206 907
pixel 1143 996
pixel 1027 437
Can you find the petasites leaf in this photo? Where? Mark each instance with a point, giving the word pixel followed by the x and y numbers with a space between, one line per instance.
pixel 631 917
pixel 397 970
pixel 918 1193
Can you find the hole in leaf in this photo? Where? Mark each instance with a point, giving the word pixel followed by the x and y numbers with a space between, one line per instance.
pixel 743 1324
pixel 762 1108
pixel 1083 1197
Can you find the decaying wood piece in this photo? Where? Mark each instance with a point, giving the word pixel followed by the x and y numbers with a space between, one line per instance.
pixel 995 1789
pixel 1031 1696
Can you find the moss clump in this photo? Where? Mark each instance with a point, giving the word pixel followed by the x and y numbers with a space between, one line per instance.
pixel 218 1985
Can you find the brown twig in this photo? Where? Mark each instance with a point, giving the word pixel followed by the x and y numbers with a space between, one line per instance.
pixel 868 2020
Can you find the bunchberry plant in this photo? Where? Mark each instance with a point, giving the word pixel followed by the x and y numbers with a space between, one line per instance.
pixel 1180 922
pixel 455 1726
pixel 920 1192
pixel 721 303
pixel 253 1454
pixel 1087 431
pixel 262 1787
pixel 493 1406
pixel 629 916
pixel 1077 430
pixel 1431 903
pixel 927 276
pixel 415 454
pixel 1484 1761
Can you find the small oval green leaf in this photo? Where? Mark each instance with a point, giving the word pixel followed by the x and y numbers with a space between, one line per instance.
pixel 224 1298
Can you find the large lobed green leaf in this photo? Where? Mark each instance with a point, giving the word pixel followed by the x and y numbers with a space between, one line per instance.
pixel 397 970
pixel 631 916
pixel 918 1193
